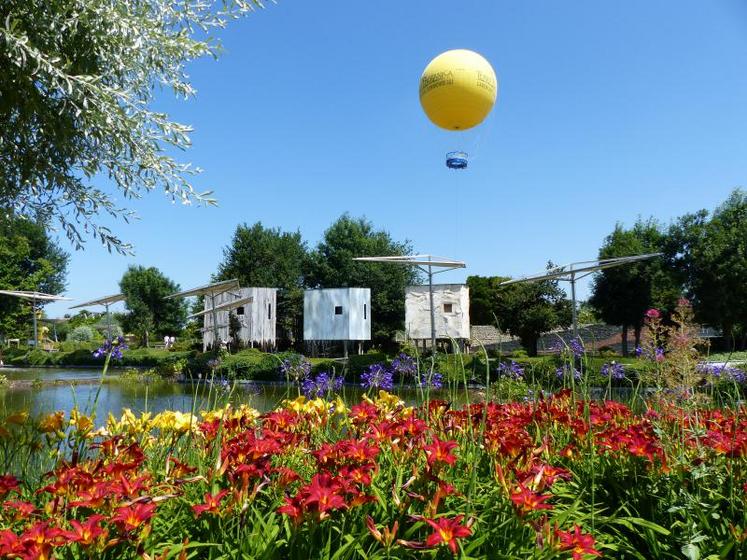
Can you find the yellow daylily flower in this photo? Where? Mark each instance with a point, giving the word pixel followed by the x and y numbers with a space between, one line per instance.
pixel 81 422
pixel 173 420
pixel 52 422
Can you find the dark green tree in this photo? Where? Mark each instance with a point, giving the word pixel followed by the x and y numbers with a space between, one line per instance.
pixel 621 295
pixel 29 260
pixel 267 257
pixel 149 313
pixel 332 266
pixel 525 310
pixel 484 293
pixel 709 250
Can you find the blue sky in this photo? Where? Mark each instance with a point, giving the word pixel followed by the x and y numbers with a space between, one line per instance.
pixel 606 112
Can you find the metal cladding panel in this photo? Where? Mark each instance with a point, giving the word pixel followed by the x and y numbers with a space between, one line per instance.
pixel 320 322
pixel 449 324
pixel 360 314
pixel 258 323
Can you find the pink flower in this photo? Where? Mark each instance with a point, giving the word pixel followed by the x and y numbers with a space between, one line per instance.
pixel 653 314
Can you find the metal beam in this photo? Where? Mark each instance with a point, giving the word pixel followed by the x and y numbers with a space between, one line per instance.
pixel 570 273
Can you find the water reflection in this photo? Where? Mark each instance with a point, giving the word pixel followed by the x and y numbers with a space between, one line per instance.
pixel 139 396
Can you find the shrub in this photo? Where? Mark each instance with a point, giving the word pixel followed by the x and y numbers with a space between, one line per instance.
pixel 83 333
pixel 358 363
pixel 247 364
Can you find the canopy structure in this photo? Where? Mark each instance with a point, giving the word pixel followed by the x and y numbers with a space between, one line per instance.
pixel 106 301
pixel 34 297
pixel 210 291
pixel 577 270
pixel 425 263
pixel 228 306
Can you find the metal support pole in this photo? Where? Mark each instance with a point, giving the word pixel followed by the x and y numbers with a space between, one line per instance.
pixel 433 309
pixel 215 322
pixel 573 304
pixel 108 322
pixel 33 312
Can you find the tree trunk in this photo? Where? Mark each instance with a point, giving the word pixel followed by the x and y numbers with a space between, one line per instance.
pixel 637 334
pixel 530 345
pixel 625 340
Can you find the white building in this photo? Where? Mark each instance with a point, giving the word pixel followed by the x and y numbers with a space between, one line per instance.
pixel 257 319
pixel 451 305
pixel 337 314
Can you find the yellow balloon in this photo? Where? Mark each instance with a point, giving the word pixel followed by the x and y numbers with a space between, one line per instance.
pixel 458 89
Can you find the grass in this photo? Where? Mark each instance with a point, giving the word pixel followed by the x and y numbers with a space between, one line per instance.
pixel 728 356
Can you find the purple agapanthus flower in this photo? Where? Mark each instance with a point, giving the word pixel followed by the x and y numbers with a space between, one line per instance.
pixel 296 368
pixel 213 363
pixel 377 377
pixel 321 386
pixel 111 346
pixel 613 370
pixel 567 370
pixel 723 372
pixel 577 346
pixel 433 381
pixel 404 365
pixel 512 370
pixel 657 356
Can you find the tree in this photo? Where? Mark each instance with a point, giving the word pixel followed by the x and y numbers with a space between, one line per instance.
pixel 77 84
pixel 266 257
pixel 525 309
pixel 710 253
pixel 29 260
pixel 622 294
pixel 484 293
pixel 150 313
pixel 332 266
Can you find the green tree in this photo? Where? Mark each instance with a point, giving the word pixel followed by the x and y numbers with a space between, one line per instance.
pixel 77 84
pixel 525 310
pixel 332 266
pixel 267 257
pixel 622 294
pixel 709 250
pixel 29 260
pixel 484 294
pixel 145 290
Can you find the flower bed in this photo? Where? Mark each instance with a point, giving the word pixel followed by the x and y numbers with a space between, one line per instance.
pixel 552 478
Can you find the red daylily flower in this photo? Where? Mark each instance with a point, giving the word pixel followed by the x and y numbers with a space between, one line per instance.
pixel 363 413
pixel 86 533
pixel 292 508
pixel 8 484
pixel 578 543
pixel 129 518
pixel 324 492
pixel 95 497
pixel 440 452
pixel 178 469
pixel 527 501
pixel 447 531
pixel 211 505
pixel 37 541
pixel 22 509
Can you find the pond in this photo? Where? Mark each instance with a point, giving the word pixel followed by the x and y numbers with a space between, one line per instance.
pixel 62 389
